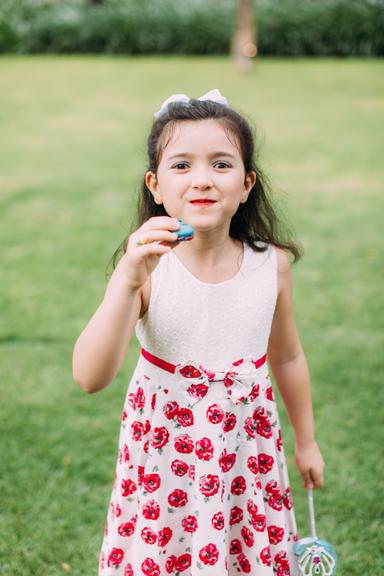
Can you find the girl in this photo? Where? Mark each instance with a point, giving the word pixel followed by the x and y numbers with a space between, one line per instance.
pixel 201 485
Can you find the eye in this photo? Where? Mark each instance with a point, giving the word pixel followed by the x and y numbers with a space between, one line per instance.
pixel 222 165
pixel 180 165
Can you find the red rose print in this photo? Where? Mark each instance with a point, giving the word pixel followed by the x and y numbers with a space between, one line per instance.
pixel 264 429
pixel 137 430
pixel 229 422
pixel 238 485
pixel 140 475
pixel 185 417
pixel 153 401
pixel 183 562
pixel 116 557
pixel 128 570
pixel 150 568
pixel 222 490
pixel 260 414
pixel 244 563
pixel 126 529
pixel 218 521
pixel 269 393
pixel 235 546
pixel 198 390
pixel 273 487
pixel 171 410
pixel 209 554
pixel 265 556
pixel 124 415
pixel 249 427
pixel 191 473
pixel 146 447
pixel 251 507
pixel 190 372
pixel 128 487
pixel 179 468
pixel 252 464
pixel 117 511
pixel 126 453
pixel 236 515
pixel 160 437
pixel 287 499
pixel 170 564
pixel 265 463
pixel 147 427
pixel 204 449
pixel 259 522
pixel 227 461
pixel 184 444
pixel 209 484
pixel 140 398
pixel 275 503
pixel 178 498
pixel 279 443
pixel 151 510
pixel 283 571
pixel 151 482
pixel 164 536
pixel 215 414
pixel 248 537
pixel 189 523
pixel 275 534
pixel 148 536
pixel 132 400
pixel 254 392
pixel 229 378
pixel 281 558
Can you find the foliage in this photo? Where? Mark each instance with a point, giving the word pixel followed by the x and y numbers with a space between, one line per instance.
pixel 285 27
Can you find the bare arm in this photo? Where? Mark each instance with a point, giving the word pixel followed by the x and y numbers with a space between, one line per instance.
pixel 101 348
pixel 290 370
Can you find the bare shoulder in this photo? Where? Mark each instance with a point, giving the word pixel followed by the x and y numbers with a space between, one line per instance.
pixel 145 297
pixel 283 268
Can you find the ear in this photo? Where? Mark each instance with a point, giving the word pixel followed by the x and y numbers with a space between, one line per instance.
pixel 249 182
pixel 153 186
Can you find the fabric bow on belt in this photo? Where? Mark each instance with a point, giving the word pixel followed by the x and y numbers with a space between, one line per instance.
pixel 239 381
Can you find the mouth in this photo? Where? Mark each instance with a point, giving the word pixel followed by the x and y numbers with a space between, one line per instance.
pixel 202 202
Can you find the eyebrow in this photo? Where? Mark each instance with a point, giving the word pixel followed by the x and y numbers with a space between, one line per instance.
pixel 213 155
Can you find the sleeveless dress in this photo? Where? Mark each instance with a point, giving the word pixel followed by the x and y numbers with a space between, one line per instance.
pixel 201 485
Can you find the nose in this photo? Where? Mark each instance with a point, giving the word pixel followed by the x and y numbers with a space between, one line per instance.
pixel 201 179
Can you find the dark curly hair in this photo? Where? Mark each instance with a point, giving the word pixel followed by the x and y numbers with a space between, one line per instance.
pixel 256 221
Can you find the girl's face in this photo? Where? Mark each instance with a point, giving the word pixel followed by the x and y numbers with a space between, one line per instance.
pixel 201 163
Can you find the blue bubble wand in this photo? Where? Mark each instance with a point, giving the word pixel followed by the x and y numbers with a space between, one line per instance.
pixel 315 557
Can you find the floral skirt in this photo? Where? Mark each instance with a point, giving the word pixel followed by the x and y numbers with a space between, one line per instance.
pixel 201 484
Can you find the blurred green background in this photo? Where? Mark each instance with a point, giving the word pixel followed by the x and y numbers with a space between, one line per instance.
pixel 72 152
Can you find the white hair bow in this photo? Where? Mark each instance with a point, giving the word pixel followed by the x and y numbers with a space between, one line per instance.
pixel 213 95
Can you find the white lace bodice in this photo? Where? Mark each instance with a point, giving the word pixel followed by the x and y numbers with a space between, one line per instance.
pixel 213 324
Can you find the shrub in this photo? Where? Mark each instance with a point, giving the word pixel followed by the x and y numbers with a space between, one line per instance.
pixel 285 27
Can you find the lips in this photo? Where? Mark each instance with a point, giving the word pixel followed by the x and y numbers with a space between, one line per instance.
pixel 203 201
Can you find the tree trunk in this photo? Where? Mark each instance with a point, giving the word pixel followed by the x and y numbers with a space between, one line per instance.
pixel 244 38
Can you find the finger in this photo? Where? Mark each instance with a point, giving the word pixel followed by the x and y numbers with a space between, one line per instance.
pixel 160 223
pixel 152 236
pixel 318 480
pixel 307 480
pixel 153 249
pixel 172 244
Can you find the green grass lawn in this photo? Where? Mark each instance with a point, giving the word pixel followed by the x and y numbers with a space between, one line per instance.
pixel 72 143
